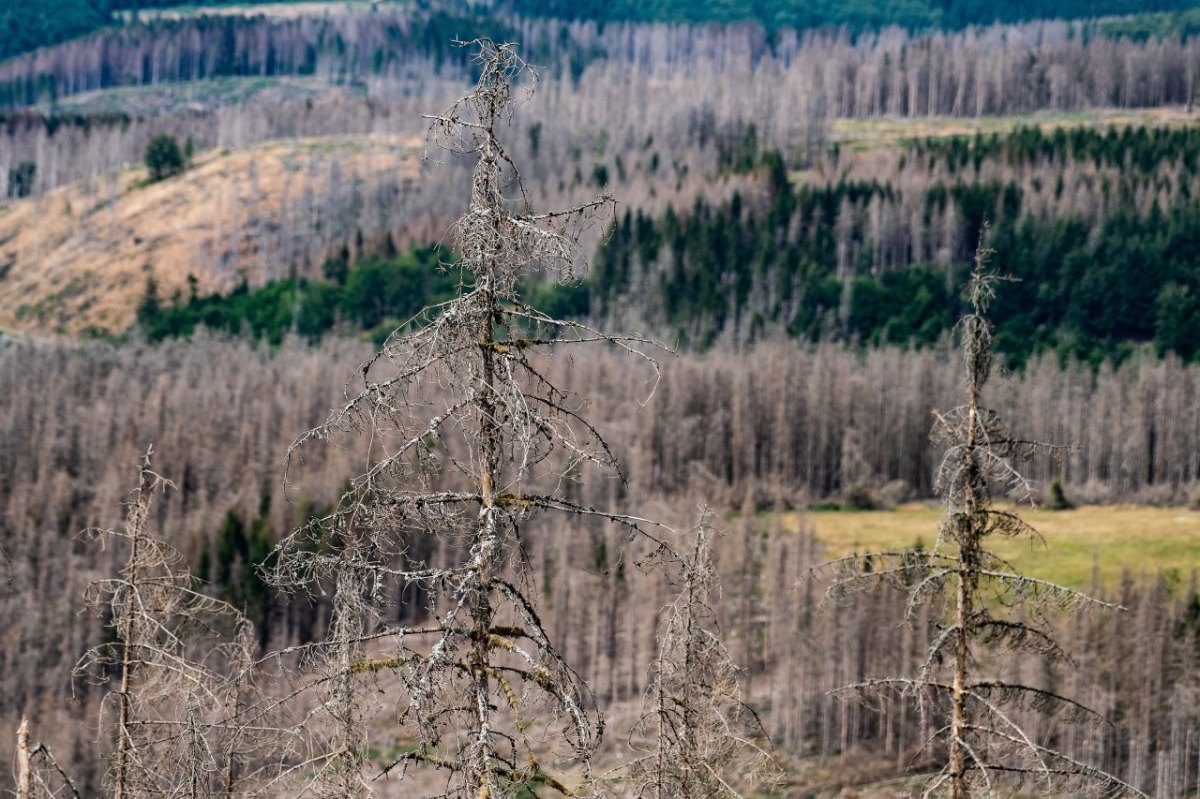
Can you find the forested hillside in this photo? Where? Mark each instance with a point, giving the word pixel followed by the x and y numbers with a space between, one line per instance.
pixel 741 433
pixel 220 231
pixel 1096 226
pixel 29 26
pixel 800 110
pixel 857 16
pixel 993 70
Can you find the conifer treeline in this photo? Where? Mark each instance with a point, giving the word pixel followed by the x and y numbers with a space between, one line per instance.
pixel 778 424
pixel 1097 225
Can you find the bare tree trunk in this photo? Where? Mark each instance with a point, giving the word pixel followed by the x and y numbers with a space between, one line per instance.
pixel 482 612
pixel 347 634
pixel 120 766
pixel 23 771
pixel 968 576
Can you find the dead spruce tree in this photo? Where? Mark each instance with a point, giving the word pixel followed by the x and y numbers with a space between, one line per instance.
pixel 466 438
pixel 172 735
pixel 697 737
pixel 987 608
pixel 39 775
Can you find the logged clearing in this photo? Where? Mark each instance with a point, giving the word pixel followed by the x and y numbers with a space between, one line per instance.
pixel 159 99
pixel 1104 539
pixel 283 10
pixel 78 258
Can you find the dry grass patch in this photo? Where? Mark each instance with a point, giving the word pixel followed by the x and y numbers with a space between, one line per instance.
pixel 78 257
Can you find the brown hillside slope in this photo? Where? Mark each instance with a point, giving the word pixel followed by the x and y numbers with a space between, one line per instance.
pixel 79 257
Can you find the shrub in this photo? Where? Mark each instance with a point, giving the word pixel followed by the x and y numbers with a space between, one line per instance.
pixel 20 179
pixel 1058 498
pixel 164 158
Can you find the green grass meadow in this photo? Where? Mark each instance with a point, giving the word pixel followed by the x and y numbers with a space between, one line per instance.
pixel 1081 545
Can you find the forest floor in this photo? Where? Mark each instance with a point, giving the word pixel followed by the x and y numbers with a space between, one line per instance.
pixel 1084 548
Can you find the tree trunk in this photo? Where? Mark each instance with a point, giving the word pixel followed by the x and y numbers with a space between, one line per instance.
pixel 23 772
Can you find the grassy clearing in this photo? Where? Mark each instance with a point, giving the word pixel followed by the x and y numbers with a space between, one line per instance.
pixel 875 132
pixel 1108 539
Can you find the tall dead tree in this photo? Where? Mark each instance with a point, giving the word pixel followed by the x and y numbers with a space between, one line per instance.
pixel 466 438
pixel 171 734
pixel 986 607
pixel 697 735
